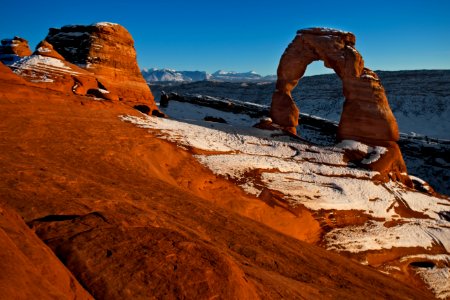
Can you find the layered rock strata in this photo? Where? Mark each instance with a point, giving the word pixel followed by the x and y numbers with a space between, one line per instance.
pixel 47 68
pixel 366 116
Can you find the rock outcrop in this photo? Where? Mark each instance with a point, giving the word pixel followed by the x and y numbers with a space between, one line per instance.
pixel 46 49
pixel 30 270
pixel 134 217
pixel 47 68
pixel 13 49
pixel 366 115
pixel 107 51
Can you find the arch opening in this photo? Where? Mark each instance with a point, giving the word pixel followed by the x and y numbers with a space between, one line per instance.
pixel 319 95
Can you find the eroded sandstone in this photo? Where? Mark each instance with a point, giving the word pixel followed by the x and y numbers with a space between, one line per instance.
pixel 107 51
pixel 29 269
pixel 366 115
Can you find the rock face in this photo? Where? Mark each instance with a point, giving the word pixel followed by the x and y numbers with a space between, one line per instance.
pixel 107 51
pixel 366 115
pixel 47 68
pixel 30 270
pixel 13 49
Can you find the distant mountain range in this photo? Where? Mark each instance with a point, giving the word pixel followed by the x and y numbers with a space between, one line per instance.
pixel 169 75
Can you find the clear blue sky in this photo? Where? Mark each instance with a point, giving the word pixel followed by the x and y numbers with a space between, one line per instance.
pixel 249 35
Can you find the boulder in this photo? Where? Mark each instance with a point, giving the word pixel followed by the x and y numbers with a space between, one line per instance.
pixel 107 51
pixel 13 49
pixel 366 115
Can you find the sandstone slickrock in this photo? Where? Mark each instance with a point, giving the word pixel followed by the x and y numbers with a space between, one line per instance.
pixel 29 269
pixel 126 222
pixel 106 50
pixel 13 49
pixel 366 115
pixel 8 76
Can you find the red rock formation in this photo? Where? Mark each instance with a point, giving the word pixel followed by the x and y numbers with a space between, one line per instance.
pixel 106 50
pixel 366 115
pixel 133 216
pixel 47 68
pixel 29 269
pixel 46 49
pixel 12 49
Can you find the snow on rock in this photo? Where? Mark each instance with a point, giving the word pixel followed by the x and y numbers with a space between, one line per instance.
pixel 438 279
pixel 375 236
pixel 11 50
pixel 104 24
pixel 41 68
pixel 313 176
pixel 34 61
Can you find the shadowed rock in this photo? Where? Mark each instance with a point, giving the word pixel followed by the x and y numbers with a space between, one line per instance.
pixel 13 49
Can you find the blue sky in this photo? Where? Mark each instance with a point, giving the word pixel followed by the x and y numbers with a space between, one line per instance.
pixel 249 35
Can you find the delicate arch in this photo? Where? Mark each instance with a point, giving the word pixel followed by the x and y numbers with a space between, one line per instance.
pixel 366 114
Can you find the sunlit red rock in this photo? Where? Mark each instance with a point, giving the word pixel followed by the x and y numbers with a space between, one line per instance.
pixel 47 68
pixel 29 269
pixel 46 49
pixel 133 216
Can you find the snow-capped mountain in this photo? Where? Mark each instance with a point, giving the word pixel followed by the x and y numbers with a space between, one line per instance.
pixel 168 75
pixel 238 77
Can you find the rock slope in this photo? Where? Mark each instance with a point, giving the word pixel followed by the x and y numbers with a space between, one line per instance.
pixel 30 270
pixel 153 219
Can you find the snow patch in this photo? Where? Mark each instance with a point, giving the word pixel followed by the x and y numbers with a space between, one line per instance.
pixel 43 50
pixel 438 279
pixel 36 61
pixel 374 153
pixel 99 24
pixel 103 91
pixel 314 176
pixel 375 236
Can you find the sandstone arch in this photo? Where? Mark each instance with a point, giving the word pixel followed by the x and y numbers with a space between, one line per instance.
pixel 366 115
